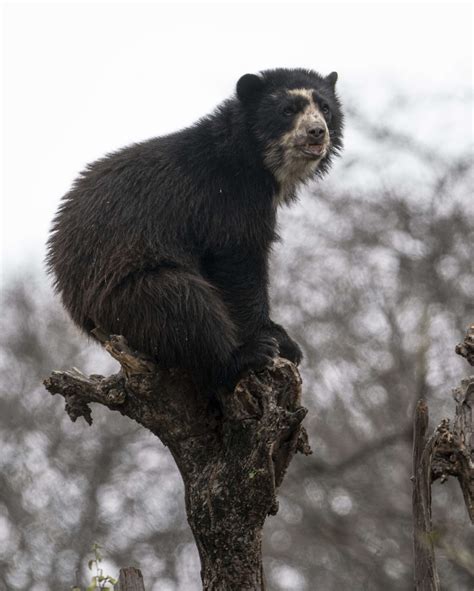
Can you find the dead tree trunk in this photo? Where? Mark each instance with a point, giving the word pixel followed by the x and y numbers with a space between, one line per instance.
pixel 130 579
pixel 448 452
pixel 232 453
pixel 426 576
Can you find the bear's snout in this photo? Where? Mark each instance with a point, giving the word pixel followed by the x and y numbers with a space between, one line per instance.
pixel 316 133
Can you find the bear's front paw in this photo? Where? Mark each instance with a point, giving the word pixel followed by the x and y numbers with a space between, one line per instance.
pixel 289 349
pixel 258 353
pixel 255 355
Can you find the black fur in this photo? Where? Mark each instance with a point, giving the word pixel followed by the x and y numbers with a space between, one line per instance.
pixel 167 241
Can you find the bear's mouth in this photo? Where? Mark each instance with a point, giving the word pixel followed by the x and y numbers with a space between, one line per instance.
pixel 313 150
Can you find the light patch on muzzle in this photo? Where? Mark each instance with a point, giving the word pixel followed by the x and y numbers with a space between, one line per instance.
pixel 310 117
pixel 293 158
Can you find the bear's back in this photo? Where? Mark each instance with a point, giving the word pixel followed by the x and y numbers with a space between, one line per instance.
pixel 116 219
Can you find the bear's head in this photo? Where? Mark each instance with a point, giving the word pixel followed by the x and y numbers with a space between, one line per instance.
pixel 296 117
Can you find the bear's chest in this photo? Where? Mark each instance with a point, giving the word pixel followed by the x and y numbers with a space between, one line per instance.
pixel 236 215
pixel 248 226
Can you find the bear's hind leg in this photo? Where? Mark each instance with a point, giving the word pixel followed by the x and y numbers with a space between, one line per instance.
pixel 176 317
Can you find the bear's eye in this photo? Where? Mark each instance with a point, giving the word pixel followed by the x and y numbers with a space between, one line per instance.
pixel 325 109
pixel 288 111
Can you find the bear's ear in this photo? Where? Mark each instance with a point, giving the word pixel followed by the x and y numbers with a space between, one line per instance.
pixel 332 79
pixel 248 87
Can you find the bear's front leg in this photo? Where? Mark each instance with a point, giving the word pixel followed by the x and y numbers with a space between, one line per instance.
pixel 242 279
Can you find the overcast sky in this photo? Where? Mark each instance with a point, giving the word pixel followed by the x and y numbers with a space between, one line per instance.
pixel 84 79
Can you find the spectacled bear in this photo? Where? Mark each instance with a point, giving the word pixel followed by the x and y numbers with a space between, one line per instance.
pixel 167 241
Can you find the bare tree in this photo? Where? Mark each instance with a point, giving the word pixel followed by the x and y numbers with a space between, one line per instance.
pixel 232 456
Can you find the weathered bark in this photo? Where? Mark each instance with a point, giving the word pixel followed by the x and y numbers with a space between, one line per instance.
pixel 466 348
pixel 232 453
pixel 453 449
pixel 448 452
pixel 461 464
pixel 426 576
pixel 130 579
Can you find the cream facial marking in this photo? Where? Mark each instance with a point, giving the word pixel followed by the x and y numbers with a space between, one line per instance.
pixel 310 117
pixel 295 156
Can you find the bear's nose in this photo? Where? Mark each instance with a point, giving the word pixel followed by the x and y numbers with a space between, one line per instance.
pixel 317 132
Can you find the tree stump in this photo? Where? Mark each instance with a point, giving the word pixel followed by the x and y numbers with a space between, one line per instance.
pixel 448 452
pixel 232 452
